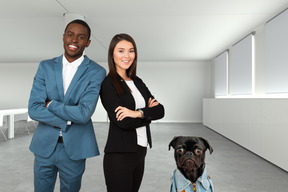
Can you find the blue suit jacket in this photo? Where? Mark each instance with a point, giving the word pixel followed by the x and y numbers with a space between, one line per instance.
pixel 76 106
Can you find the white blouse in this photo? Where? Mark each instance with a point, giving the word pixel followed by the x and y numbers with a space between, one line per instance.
pixel 139 103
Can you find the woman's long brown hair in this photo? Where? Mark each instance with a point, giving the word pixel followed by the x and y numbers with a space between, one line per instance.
pixel 131 72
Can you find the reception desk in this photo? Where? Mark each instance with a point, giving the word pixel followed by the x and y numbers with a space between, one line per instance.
pixel 10 113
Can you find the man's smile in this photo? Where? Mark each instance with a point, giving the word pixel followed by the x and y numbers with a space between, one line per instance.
pixel 72 47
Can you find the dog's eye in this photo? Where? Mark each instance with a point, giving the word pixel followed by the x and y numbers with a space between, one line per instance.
pixel 198 151
pixel 180 150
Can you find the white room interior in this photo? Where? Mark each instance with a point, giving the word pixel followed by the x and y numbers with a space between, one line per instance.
pixel 178 42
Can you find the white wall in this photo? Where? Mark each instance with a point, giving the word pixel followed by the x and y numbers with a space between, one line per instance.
pixel 179 86
pixel 16 81
pixel 259 125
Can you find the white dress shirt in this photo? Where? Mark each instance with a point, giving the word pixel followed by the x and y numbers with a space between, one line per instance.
pixel 69 70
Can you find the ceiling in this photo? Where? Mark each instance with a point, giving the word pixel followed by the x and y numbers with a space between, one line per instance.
pixel 164 30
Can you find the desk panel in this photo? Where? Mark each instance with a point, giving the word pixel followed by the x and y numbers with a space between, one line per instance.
pixel 10 113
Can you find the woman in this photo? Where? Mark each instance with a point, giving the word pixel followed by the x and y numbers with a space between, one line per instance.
pixel 130 107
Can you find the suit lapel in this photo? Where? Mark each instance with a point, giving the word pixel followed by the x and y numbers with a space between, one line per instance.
pixel 59 78
pixel 81 69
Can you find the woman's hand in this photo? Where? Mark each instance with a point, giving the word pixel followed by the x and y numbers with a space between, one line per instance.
pixel 152 102
pixel 123 112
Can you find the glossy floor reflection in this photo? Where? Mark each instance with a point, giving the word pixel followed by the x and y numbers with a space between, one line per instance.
pixel 231 167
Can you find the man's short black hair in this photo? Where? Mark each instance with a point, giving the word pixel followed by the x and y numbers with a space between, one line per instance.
pixel 81 22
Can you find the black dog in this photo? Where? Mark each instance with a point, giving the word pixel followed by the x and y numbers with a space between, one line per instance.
pixel 190 160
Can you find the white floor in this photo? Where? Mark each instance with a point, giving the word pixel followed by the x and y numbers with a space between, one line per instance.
pixel 231 167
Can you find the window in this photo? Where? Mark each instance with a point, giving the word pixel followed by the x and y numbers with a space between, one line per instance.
pixel 276 34
pixel 242 67
pixel 221 74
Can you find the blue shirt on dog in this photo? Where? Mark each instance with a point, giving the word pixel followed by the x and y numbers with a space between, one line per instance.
pixel 181 184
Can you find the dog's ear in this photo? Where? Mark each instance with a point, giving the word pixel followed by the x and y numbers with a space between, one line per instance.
pixel 207 145
pixel 173 142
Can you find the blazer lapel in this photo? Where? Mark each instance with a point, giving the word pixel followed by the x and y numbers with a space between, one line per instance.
pixel 59 78
pixel 81 69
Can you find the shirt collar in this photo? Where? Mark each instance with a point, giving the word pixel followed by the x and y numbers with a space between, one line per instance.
pixel 182 182
pixel 75 63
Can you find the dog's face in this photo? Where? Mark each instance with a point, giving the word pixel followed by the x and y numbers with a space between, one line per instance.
pixel 190 155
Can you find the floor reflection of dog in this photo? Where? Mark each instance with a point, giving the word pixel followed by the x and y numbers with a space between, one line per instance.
pixel 190 175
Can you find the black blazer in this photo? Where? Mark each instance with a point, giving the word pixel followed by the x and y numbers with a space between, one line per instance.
pixel 122 135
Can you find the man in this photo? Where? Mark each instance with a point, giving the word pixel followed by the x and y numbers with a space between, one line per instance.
pixel 63 98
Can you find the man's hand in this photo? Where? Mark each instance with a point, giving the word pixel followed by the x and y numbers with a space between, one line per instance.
pixel 47 103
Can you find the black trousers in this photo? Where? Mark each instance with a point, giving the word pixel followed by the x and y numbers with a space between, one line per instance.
pixel 124 171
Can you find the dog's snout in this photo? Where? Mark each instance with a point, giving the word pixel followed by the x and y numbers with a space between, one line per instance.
pixel 189 153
